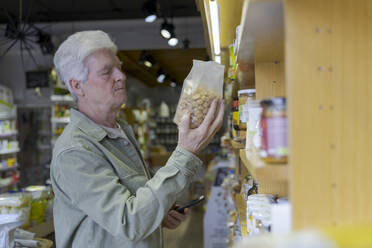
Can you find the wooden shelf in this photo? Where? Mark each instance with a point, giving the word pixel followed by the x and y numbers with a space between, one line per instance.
pixel 241 207
pixel 261 37
pixel 272 178
pixel 237 145
pixel 43 229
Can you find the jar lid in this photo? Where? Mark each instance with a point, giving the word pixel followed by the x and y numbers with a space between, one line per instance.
pixel 273 101
pixel 246 91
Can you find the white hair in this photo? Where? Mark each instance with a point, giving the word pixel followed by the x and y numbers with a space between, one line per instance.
pixel 71 54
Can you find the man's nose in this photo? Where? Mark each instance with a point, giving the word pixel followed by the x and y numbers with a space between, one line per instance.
pixel 120 76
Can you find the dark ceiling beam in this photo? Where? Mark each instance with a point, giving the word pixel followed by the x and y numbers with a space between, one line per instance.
pixel 136 70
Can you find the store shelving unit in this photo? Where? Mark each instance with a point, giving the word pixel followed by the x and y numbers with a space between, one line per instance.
pixel 60 121
pixel 9 148
pixel 317 54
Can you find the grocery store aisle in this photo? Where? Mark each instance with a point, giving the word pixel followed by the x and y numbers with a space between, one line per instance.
pixel 189 234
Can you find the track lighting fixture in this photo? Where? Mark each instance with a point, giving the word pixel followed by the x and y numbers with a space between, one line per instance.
pixel 149 10
pixel 166 30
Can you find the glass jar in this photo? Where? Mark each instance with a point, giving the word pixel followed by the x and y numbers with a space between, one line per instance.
pixel 244 96
pixel 274 129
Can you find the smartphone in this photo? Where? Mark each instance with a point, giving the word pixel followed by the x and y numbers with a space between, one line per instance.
pixel 190 204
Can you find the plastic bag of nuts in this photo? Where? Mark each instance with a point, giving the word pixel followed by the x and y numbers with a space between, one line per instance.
pixel 203 84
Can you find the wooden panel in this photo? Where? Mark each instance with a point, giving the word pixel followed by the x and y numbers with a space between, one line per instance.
pixel 329 61
pixel 272 178
pixel 230 17
pixel 241 207
pixel 262 32
pixel 204 13
pixel 270 81
pixel 246 76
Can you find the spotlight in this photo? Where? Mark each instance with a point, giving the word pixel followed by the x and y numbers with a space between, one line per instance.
pixel 149 10
pixel 161 76
pixel 146 59
pixel 148 63
pixel 173 41
pixel 166 30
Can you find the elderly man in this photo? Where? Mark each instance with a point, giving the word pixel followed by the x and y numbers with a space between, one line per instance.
pixel 105 196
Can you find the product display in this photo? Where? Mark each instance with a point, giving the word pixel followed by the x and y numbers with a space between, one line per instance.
pixel 60 114
pixel 203 84
pixel 9 146
pixel 18 204
pixel 274 145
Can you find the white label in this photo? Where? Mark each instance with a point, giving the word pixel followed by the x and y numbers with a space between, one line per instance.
pixel 254 116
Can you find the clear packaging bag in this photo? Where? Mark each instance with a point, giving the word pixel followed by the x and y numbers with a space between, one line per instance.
pixel 203 84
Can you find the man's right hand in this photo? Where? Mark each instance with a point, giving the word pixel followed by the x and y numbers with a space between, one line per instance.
pixel 195 140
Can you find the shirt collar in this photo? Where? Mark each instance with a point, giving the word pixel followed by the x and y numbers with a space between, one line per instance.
pixel 86 125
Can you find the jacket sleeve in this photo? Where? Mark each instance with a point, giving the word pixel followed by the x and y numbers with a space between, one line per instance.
pixel 91 184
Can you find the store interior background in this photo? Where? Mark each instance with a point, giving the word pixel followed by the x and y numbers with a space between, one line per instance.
pixel 124 22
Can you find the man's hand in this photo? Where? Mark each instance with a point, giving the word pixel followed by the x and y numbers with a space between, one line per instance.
pixel 194 140
pixel 173 218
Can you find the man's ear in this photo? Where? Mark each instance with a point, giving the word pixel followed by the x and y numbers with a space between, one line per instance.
pixel 76 87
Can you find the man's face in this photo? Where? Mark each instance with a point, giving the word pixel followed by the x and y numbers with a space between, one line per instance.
pixel 106 82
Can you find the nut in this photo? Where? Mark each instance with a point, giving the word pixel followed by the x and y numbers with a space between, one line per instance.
pixel 197 103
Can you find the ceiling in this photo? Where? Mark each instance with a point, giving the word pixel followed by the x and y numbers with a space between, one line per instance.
pixel 175 62
pixel 85 10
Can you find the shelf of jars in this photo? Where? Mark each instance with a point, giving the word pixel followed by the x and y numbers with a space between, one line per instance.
pixel 263 171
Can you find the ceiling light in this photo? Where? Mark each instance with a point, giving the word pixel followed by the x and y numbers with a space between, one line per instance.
pixel 148 63
pixel 146 59
pixel 173 84
pixel 161 76
pixel 149 10
pixel 150 18
pixel 215 20
pixel 173 41
pixel 166 30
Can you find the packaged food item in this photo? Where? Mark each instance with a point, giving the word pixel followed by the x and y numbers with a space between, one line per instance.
pixel 274 142
pixel 203 84
pixel 253 135
pixel 235 115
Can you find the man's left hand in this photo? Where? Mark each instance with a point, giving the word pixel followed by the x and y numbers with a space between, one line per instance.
pixel 173 218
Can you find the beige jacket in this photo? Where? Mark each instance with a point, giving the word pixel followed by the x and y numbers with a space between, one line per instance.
pixel 104 196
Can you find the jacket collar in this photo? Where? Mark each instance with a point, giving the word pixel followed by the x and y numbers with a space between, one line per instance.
pixel 86 125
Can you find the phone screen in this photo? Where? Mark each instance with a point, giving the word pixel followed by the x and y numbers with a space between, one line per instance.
pixel 190 204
